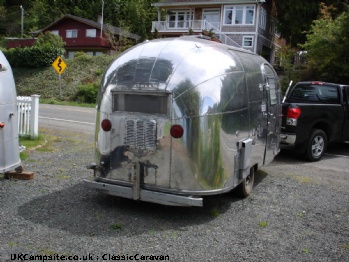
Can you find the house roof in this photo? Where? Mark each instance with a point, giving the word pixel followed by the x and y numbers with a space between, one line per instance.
pixel 113 29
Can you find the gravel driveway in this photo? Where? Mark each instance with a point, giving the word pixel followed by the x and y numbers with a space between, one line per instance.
pixel 297 212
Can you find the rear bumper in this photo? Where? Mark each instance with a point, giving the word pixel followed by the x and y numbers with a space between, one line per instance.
pixel 287 138
pixel 144 195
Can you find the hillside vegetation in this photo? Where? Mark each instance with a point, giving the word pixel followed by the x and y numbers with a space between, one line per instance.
pixel 82 75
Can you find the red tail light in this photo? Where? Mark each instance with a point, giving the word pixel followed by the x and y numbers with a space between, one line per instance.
pixel 292 115
pixel 317 83
pixel 106 125
pixel 293 112
pixel 176 131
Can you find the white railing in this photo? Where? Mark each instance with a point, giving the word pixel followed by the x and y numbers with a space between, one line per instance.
pixel 222 37
pixel 28 115
pixel 180 26
pixel 195 26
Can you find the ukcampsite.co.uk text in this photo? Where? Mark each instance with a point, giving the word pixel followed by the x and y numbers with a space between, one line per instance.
pixel 89 257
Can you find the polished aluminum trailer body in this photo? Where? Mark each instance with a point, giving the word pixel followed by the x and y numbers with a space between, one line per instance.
pixel 226 101
pixel 9 144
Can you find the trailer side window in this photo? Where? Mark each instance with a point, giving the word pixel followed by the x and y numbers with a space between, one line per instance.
pixel 272 91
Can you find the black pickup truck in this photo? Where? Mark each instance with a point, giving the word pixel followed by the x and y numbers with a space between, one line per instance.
pixel 313 115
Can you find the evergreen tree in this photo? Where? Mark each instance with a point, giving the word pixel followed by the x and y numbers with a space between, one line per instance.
pixel 328 54
pixel 295 17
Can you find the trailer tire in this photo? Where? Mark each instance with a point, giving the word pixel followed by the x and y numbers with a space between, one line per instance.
pixel 246 186
pixel 316 145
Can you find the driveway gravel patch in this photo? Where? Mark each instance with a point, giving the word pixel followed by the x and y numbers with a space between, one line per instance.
pixel 297 212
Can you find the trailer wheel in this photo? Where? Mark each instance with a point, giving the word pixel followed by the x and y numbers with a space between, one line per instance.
pixel 246 186
pixel 316 146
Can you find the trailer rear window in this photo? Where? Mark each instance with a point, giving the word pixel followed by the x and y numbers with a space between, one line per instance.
pixel 140 103
pixel 315 93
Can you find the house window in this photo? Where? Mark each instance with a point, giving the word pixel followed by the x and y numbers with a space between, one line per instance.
pixel 91 32
pixel 72 33
pixel 263 19
pixel 212 16
pixel 239 14
pixel 276 31
pixel 247 41
pixel 55 32
pixel 70 54
pixel 179 18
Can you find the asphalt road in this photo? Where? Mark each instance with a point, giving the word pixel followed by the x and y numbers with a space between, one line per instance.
pixel 79 119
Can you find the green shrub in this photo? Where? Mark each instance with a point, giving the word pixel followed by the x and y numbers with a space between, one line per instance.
pixel 87 93
pixel 49 40
pixel 33 56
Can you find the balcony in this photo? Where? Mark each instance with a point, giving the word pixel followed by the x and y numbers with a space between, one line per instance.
pixel 20 42
pixel 86 42
pixel 184 26
pixel 197 26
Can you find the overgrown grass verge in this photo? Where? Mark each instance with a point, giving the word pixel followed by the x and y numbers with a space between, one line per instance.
pixel 78 83
pixel 41 143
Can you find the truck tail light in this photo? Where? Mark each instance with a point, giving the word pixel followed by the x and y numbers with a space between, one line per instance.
pixel 176 131
pixel 292 115
pixel 317 83
pixel 106 125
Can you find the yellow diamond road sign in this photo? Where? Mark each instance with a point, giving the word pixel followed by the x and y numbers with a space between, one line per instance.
pixel 59 65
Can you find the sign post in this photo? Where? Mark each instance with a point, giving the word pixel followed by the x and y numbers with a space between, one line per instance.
pixel 59 65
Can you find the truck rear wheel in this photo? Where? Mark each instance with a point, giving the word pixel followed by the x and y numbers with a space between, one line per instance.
pixel 316 146
pixel 246 186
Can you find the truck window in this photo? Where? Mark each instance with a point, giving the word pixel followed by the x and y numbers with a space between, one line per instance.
pixel 315 93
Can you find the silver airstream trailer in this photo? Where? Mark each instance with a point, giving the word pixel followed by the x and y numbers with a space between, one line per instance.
pixel 182 118
pixel 9 144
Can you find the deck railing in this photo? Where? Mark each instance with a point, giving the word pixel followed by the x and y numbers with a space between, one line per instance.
pixel 28 115
pixel 196 26
pixel 181 26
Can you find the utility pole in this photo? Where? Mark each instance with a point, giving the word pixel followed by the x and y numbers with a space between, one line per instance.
pixel 22 21
pixel 102 18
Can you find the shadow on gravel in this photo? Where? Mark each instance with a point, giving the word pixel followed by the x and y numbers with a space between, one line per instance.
pixel 338 149
pixel 82 211
pixel 334 150
pixel 289 156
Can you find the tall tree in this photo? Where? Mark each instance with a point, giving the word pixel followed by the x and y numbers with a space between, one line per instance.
pixel 295 17
pixel 328 54
pixel 2 18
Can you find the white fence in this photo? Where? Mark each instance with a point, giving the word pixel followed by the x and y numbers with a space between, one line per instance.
pixel 28 115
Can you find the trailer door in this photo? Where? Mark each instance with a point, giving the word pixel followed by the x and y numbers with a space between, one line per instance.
pixel 272 116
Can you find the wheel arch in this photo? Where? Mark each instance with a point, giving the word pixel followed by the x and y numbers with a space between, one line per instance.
pixel 324 127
